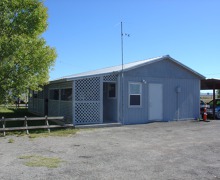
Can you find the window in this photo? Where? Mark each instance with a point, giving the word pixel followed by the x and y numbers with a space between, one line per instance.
pixel 54 94
pixel 35 94
pixel 66 94
pixel 135 94
pixel 111 90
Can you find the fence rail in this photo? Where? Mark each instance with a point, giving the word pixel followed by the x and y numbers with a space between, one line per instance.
pixel 26 127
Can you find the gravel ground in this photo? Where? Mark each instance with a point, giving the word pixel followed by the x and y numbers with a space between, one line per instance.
pixel 173 150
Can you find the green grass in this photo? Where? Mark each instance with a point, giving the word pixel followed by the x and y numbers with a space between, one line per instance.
pixel 18 113
pixel 11 140
pixel 41 161
pixel 14 113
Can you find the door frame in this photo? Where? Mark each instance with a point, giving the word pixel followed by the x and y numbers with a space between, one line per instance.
pixel 162 97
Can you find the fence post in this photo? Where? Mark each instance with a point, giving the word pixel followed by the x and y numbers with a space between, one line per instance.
pixel 3 125
pixel 47 123
pixel 26 125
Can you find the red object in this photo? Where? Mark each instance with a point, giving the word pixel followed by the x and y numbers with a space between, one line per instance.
pixel 205 115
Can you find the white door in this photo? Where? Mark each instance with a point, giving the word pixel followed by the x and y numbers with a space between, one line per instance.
pixel 155 101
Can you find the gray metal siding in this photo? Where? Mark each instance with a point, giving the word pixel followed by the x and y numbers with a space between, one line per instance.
pixel 53 108
pixel 182 105
pixel 66 110
pixel 85 109
pixel 58 107
pixel 162 69
pixel 41 106
pixel 176 106
pixel 67 84
pixel 36 105
pixel 30 104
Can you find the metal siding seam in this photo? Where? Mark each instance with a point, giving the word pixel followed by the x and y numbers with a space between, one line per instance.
pixel 74 103
pixel 101 99
pixel 118 97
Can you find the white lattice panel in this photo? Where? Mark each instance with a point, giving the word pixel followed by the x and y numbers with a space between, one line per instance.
pixel 87 113
pixel 87 89
pixel 87 101
pixel 110 78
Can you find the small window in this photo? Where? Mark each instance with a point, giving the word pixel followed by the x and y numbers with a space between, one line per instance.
pixel 35 94
pixel 66 94
pixel 135 94
pixel 111 90
pixel 54 94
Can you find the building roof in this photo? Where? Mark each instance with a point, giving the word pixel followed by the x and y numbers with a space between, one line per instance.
pixel 126 67
pixel 210 84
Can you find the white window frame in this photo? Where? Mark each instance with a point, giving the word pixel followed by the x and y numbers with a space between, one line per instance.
pixel 129 95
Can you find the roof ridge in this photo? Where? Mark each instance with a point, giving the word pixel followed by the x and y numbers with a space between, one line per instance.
pixel 126 67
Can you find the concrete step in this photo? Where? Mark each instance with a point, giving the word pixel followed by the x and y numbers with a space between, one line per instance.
pixel 98 125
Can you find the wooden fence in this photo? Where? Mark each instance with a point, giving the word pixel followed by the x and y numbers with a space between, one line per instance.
pixel 26 120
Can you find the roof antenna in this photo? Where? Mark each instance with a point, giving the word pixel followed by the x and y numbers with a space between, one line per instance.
pixel 122 48
pixel 122 71
pixel 122 53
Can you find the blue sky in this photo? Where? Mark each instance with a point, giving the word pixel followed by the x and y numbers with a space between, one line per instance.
pixel 86 33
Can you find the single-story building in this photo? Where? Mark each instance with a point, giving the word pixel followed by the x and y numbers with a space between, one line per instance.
pixel 157 89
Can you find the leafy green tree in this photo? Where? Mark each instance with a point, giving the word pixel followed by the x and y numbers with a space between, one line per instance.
pixel 25 58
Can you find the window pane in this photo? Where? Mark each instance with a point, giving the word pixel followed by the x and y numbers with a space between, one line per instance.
pixel 40 94
pixel 35 94
pixel 54 94
pixel 135 100
pixel 66 94
pixel 135 88
pixel 111 90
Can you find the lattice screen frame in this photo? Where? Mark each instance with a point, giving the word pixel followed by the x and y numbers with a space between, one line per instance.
pixel 110 78
pixel 88 109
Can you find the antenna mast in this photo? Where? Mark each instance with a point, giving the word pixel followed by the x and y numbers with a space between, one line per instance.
pixel 122 76
pixel 122 53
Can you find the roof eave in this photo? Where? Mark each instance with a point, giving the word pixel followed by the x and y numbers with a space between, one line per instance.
pixel 83 77
pixel 186 67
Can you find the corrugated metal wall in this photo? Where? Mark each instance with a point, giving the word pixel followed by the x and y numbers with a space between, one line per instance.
pixel 55 107
pixel 30 102
pixel 58 107
pixel 36 105
pixel 181 96
pixel 176 106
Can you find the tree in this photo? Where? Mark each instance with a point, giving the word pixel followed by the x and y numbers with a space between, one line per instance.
pixel 25 59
